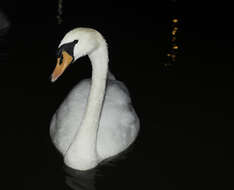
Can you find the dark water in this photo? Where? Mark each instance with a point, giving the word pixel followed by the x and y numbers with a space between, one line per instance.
pixel 186 110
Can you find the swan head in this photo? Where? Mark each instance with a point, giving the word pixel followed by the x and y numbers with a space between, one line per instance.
pixel 75 44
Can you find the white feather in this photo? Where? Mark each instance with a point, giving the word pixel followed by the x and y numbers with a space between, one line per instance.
pixel 88 130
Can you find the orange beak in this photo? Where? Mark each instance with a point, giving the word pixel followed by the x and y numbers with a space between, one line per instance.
pixel 61 67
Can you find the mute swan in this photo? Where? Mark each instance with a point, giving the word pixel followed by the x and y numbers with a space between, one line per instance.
pixel 96 120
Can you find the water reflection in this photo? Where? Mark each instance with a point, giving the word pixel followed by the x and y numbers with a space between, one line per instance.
pixel 86 180
pixel 80 180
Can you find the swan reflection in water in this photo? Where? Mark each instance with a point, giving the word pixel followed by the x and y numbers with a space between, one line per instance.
pixel 80 180
pixel 86 180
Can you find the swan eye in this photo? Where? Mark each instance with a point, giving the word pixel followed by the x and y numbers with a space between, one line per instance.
pixel 68 47
pixel 59 52
pixel 61 60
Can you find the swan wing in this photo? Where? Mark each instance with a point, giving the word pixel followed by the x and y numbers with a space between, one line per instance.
pixel 119 124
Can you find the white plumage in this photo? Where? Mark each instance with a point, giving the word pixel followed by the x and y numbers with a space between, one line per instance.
pixel 96 120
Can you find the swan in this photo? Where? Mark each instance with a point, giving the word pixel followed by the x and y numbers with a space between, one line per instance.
pixel 96 120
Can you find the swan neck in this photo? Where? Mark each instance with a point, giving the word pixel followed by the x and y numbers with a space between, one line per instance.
pixel 97 90
pixel 89 126
pixel 84 145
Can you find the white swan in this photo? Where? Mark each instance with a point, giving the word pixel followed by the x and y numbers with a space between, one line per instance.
pixel 96 120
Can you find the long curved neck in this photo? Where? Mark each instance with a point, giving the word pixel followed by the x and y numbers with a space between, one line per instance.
pixel 90 123
pixel 99 60
pixel 85 140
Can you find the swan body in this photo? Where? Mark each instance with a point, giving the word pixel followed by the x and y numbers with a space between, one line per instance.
pixel 96 120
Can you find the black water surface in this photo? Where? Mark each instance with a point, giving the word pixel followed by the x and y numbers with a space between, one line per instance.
pixel 186 110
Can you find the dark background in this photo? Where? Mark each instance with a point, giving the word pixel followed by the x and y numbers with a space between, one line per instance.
pixel 186 109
